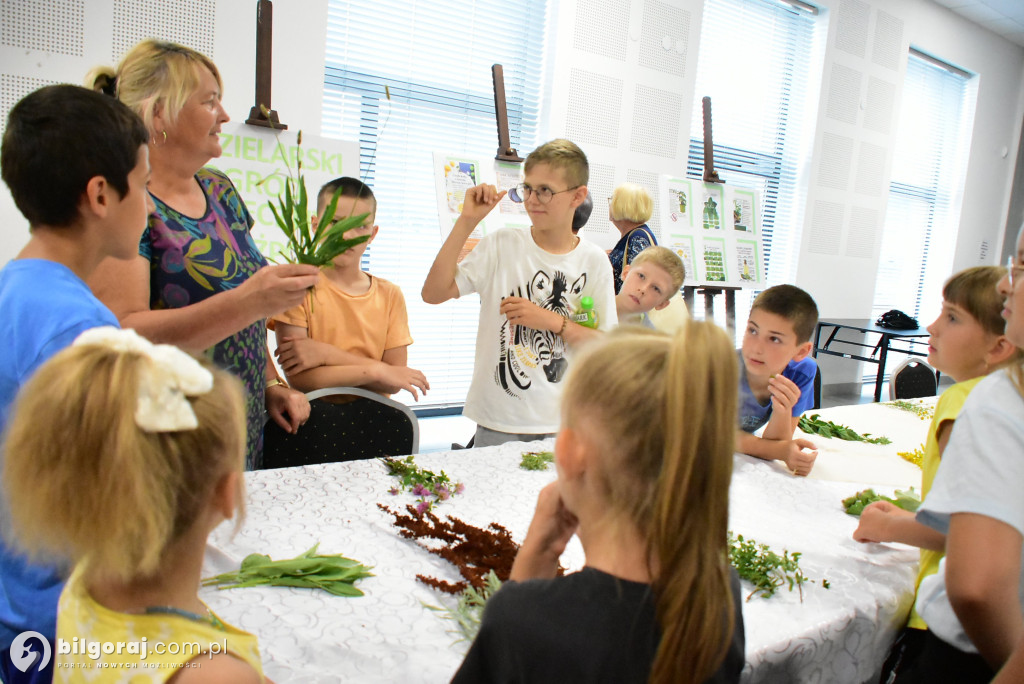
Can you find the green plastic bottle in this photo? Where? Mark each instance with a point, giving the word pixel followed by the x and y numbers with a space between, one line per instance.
pixel 586 316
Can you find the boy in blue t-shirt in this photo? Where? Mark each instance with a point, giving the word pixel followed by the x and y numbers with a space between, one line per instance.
pixel 777 377
pixel 77 165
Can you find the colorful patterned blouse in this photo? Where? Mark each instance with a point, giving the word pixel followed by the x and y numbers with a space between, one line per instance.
pixel 194 258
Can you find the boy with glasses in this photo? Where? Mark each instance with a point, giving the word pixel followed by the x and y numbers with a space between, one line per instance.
pixel 530 285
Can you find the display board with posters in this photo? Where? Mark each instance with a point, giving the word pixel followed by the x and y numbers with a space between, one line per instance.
pixel 716 230
pixel 455 173
pixel 257 160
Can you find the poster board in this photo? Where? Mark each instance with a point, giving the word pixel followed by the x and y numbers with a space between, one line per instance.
pixel 456 173
pixel 716 230
pixel 251 154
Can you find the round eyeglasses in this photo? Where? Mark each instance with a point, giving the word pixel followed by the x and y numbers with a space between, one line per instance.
pixel 523 192
pixel 1013 270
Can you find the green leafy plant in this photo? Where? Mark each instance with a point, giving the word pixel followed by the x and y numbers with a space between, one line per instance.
pixel 765 569
pixel 469 608
pixel 907 499
pixel 333 573
pixel 429 486
pixel 536 460
pixel 317 245
pixel 827 429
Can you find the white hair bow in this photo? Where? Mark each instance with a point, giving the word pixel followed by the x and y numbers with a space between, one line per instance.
pixel 164 384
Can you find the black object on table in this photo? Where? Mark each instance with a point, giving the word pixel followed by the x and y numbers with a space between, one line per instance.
pixel 880 350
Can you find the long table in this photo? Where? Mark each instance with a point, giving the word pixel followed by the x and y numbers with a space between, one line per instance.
pixel 839 634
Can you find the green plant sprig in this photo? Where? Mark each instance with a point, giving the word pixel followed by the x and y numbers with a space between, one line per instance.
pixel 332 572
pixel 907 499
pixel 921 410
pixel 429 486
pixel 765 569
pixel 827 429
pixel 469 608
pixel 536 460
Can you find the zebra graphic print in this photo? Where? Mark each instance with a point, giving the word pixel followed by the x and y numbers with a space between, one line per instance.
pixel 525 348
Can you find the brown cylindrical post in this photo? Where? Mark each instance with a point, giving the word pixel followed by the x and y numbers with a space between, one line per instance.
pixel 264 58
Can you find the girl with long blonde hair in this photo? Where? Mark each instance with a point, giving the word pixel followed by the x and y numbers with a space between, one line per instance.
pixel 644 461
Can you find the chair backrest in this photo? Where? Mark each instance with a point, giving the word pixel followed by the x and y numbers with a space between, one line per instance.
pixel 367 426
pixel 913 378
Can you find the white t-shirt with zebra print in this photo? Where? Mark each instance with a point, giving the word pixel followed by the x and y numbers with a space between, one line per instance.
pixel 518 371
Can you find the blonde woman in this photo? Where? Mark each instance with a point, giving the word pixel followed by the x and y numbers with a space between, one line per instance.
pixel 648 496
pixel 199 281
pixel 629 210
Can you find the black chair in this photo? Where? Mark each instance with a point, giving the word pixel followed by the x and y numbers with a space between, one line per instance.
pixel 912 379
pixel 817 389
pixel 367 426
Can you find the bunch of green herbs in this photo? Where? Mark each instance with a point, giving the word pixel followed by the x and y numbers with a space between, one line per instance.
pixel 428 486
pixel 536 460
pixel 814 425
pixel 333 573
pixel 765 569
pixel 907 499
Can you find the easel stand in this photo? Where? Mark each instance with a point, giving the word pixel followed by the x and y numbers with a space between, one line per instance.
pixel 709 302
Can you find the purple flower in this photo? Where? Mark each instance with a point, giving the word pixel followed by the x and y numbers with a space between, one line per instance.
pixel 459 488
pixel 393 491
pixel 420 490
pixel 422 507
pixel 442 493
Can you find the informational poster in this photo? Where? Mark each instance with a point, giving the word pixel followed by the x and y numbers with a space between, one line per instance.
pixel 743 217
pixel 259 160
pixel 711 213
pixel 715 229
pixel 680 204
pixel 747 263
pixel 454 174
pixel 683 246
pixel 714 260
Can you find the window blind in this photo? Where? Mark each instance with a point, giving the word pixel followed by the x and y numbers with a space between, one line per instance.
pixel 753 66
pixel 435 58
pixel 928 171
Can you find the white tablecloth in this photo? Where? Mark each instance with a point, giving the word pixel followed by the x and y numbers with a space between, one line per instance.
pixel 834 635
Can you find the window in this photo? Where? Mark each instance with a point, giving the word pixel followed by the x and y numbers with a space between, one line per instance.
pixel 435 58
pixel 928 170
pixel 754 65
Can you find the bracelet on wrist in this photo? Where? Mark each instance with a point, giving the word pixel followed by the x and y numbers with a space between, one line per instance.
pixel 275 382
pixel 565 324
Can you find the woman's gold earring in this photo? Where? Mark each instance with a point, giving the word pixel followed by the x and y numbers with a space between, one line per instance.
pixel 165 136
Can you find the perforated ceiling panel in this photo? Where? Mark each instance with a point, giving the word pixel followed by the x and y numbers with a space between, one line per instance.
pixel 852 27
pixel 189 22
pixel 650 182
pixel 595 102
pixel 870 165
pixel 836 159
pixel 12 89
pixel 656 117
pixel 863 233
pixel 878 111
pixel 665 37
pixel 600 185
pixel 601 27
pixel 887 46
pixel 826 228
pixel 45 25
pixel 844 93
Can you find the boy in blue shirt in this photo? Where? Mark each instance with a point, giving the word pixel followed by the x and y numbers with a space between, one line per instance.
pixel 77 165
pixel 777 377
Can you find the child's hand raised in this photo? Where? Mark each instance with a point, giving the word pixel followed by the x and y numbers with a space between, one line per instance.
pixel 550 530
pixel 784 393
pixel 479 201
